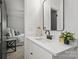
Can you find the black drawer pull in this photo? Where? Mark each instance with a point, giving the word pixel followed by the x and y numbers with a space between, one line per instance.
pixel 31 53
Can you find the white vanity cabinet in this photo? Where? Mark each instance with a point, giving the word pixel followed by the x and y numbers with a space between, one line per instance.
pixel 36 52
pixel 68 54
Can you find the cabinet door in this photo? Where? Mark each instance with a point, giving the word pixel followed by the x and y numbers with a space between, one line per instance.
pixel 36 52
pixel 69 54
pixel 27 49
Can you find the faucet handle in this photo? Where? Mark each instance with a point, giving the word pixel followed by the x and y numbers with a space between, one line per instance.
pixel 47 31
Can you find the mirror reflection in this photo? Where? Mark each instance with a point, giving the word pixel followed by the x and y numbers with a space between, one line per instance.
pixel 53 15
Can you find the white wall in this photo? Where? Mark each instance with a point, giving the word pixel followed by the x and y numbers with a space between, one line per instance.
pixel 71 16
pixel 15 10
pixel 33 16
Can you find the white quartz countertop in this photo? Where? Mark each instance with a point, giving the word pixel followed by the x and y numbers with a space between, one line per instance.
pixel 52 46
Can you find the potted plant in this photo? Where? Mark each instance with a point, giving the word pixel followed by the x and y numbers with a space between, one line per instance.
pixel 67 37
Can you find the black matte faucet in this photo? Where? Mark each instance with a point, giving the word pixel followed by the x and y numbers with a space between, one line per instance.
pixel 48 35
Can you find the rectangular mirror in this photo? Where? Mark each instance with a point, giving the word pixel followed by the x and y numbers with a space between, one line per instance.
pixel 53 15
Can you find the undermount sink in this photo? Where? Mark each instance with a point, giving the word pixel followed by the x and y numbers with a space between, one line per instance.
pixel 39 38
pixel 43 40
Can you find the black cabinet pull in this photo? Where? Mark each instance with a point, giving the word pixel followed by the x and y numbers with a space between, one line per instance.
pixel 31 53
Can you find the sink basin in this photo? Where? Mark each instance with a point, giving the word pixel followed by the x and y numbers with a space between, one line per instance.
pixel 43 40
pixel 39 38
